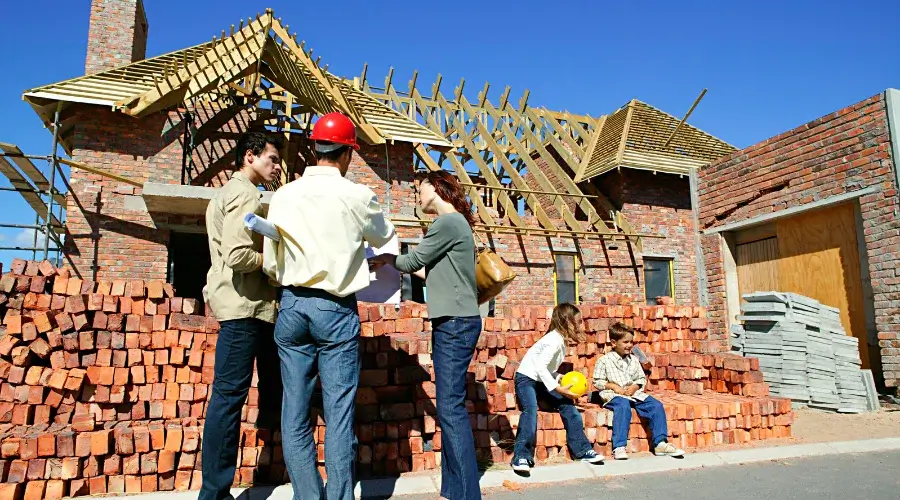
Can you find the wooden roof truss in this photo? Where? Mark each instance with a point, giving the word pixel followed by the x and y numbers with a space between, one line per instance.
pixel 510 149
pixel 260 54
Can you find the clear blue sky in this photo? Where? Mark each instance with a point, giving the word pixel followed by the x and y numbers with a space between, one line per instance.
pixel 769 65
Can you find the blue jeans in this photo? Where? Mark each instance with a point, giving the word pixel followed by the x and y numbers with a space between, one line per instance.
pixel 453 341
pixel 528 392
pixel 240 341
pixel 650 408
pixel 318 337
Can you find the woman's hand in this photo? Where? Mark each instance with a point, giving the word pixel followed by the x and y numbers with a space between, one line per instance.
pixel 564 391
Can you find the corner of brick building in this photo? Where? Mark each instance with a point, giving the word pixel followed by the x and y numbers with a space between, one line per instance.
pixel 110 233
pixel 845 151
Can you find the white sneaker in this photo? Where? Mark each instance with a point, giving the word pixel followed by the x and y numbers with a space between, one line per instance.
pixel 591 457
pixel 521 465
pixel 620 453
pixel 666 449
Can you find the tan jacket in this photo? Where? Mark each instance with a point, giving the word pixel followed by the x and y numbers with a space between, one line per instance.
pixel 236 288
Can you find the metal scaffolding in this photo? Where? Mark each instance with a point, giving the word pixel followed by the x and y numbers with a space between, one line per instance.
pixel 40 193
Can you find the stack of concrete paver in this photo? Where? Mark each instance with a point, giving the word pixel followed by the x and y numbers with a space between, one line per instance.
pixel 804 352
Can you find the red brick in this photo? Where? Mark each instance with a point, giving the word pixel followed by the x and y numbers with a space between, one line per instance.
pixel 34 490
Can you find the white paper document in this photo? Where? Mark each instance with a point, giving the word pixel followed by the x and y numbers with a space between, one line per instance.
pixel 262 226
pixel 385 282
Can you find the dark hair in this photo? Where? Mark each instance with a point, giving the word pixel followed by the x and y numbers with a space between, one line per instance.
pixel 619 330
pixel 449 189
pixel 255 142
pixel 332 156
pixel 565 321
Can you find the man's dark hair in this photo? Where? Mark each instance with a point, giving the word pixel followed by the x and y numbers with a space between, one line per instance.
pixel 332 156
pixel 255 142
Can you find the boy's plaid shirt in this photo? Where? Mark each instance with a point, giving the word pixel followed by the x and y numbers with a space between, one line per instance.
pixel 618 370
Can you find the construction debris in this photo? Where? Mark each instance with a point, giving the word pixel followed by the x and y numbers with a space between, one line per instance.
pixel 804 352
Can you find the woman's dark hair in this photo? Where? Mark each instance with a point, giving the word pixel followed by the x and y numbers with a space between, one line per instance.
pixel 449 189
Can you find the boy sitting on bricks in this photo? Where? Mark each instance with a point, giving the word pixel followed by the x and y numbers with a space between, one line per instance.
pixel 620 379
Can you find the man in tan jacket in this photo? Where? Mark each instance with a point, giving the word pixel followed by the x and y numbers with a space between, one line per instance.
pixel 244 304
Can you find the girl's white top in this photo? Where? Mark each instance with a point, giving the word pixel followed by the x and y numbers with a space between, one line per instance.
pixel 543 359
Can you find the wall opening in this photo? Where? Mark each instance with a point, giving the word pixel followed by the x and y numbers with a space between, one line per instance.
pixel 189 262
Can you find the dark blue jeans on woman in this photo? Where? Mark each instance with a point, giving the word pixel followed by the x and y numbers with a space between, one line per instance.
pixel 240 341
pixel 528 392
pixel 453 341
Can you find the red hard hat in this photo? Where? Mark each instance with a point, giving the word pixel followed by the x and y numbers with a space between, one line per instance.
pixel 336 128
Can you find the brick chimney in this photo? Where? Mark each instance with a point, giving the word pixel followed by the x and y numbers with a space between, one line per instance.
pixel 117 34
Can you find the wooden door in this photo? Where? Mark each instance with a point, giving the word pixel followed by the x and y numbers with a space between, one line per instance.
pixel 757 264
pixel 818 257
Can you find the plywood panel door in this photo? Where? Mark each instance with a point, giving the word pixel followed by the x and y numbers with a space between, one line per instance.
pixel 757 264
pixel 819 258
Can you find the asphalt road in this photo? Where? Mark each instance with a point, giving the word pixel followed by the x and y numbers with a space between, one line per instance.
pixel 872 476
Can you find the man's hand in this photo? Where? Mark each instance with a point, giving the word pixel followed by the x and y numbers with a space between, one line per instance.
pixel 379 261
pixel 564 391
pixel 631 389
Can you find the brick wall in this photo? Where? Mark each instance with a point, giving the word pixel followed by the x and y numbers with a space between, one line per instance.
pixel 844 151
pixel 110 227
pixel 659 204
pixel 104 387
pixel 109 231
pixel 117 34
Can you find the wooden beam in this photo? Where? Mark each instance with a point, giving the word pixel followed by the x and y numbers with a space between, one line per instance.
pixel 461 173
pixel 562 177
pixel 100 171
pixel 683 120
pixel 536 173
pixel 589 150
pixel 624 139
pixel 508 205
pixel 532 200
pixel 207 71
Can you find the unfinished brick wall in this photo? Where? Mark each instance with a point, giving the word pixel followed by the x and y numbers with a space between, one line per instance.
pixel 110 234
pixel 659 204
pixel 104 386
pixel 845 151
pixel 117 34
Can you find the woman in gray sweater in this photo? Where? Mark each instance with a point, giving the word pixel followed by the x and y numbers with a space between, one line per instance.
pixel 446 260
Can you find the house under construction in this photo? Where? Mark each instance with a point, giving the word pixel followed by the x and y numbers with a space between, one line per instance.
pixel 583 207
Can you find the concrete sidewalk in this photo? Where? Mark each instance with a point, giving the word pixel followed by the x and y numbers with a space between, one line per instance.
pixel 430 484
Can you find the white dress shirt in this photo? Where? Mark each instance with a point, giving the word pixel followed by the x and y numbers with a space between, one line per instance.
pixel 323 220
pixel 543 359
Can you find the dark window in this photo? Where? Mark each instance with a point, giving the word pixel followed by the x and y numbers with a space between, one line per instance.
pixel 566 279
pixel 657 279
pixel 188 264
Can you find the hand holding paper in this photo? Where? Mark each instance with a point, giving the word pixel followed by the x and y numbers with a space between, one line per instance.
pixel 262 226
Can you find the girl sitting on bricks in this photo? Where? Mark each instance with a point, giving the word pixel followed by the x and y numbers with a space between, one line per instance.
pixel 537 380
pixel 619 377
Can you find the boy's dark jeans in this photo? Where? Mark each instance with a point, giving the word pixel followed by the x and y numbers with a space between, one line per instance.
pixel 240 341
pixel 528 392
pixel 650 408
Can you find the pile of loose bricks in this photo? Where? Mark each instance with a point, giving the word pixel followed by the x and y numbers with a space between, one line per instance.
pixel 103 388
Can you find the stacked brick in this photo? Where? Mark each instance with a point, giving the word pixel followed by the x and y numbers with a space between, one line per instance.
pixel 103 387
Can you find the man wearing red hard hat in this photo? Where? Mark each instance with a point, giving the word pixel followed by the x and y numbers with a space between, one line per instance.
pixel 320 263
